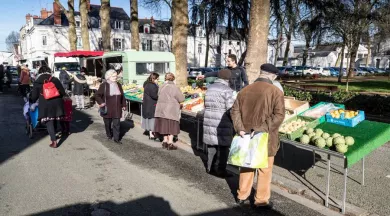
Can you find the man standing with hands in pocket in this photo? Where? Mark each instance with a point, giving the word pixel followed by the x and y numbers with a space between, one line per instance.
pixel 259 107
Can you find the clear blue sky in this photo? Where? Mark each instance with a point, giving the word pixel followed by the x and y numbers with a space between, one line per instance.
pixel 13 13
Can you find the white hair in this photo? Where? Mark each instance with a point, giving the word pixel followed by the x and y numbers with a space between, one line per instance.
pixel 109 74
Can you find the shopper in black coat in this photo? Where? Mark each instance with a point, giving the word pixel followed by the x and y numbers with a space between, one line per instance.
pixel 51 110
pixel 80 84
pixel 149 103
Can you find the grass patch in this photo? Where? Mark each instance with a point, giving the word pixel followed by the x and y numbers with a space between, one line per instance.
pixel 358 86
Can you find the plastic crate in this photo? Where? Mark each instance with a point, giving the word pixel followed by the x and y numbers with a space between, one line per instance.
pixel 298 133
pixel 352 122
pixel 322 119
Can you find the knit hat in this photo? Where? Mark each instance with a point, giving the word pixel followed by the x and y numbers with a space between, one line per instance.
pixel 269 68
pixel 224 74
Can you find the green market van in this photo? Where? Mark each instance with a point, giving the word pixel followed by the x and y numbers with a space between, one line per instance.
pixel 137 65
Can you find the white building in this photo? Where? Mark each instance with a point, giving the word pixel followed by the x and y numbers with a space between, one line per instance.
pixel 6 58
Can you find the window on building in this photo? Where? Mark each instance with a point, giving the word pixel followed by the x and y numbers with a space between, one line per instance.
pixel 360 56
pixel 238 43
pixel 44 40
pixel 147 68
pixel 364 55
pixel 199 48
pixel 78 24
pixel 230 51
pixel 79 41
pixel 146 29
pixel 161 44
pixel 118 24
pixel 230 42
pixel 147 45
pixel 118 44
pixel 200 33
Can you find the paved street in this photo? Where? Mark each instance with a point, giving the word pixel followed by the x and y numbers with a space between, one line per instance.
pixel 88 174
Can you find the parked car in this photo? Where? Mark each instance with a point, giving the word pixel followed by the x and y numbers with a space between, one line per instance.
pixel 368 69
pixel 326 72
pixel 194 72
pixel 381 70
pixel 333 71
pixel 304 69
pixel 360 72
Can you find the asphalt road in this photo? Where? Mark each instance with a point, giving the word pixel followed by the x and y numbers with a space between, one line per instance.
pixel 88 174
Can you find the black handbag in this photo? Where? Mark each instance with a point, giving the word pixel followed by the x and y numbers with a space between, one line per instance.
pixel 103 110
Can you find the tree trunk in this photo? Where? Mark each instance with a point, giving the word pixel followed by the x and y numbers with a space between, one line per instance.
pixel 84 24
pixel 179 43
pixel 341 64
pixel 287 50
pixel 278 40
pixel 368 59
pixel 72 37
pixel 134 24
pixel 258 34
pixel 306 53
pixel 207 49
pixel 105 24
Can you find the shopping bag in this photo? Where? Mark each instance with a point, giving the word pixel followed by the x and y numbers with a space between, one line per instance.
pixel 34 117
pixel 250 152
pixel 68 109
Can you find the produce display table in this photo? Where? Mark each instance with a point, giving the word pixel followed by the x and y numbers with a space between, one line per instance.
pixel 368 137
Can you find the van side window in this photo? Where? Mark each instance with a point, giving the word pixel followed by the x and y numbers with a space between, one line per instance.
pixel 147 68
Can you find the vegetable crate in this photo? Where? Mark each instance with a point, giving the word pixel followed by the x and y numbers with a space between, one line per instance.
pixel 322 119
pixel 299 132
pixel 294 107
pixel 352 122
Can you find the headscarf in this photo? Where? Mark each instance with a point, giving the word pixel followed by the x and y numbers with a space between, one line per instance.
pixel 114 88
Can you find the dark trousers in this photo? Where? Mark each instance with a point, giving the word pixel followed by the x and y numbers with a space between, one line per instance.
pixel 51 128
pixel 1 84
pixel 114 132
pixel 217 157
pixel 24 89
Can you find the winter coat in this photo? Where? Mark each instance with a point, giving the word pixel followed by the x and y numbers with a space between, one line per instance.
pixel 25 78
pixel 114 103
pixel 217 123
pixel 51 108
pixel 168 103
pixel 65 79
pixel 260 107
pixel 80 82
pixel 150 100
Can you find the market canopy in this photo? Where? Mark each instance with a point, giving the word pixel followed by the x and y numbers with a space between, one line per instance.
pixel 79 54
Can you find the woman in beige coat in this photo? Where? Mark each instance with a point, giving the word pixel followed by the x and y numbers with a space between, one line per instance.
pixel 168 111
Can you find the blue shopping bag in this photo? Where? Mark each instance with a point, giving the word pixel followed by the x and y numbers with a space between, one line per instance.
pixel 250 152
pixel 34 117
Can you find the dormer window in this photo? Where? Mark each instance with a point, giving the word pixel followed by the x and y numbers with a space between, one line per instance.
pixel 118 24
pixel 147 29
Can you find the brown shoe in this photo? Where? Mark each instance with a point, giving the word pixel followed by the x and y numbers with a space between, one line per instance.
pixel 171 147
pixel 164 145
pixel 53 144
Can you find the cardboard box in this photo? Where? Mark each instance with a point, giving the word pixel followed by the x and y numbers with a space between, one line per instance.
pixel 294 107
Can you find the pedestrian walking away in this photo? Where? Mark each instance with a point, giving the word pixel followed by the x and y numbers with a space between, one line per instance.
pixel 64 78
pixel 218 129
pixel 80 84
pixel 110 96
pixel 168 111
pixel 25 81
pixel 50 110
pixel 149 103
pixel 260 108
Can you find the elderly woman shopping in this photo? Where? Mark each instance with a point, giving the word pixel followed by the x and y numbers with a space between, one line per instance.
pixel 111 101
pixel 217 124
pixel 149 104
pixel 168 111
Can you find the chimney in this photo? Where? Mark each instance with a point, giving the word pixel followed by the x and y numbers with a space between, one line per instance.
pixel 28 17
pixel 57 14
pixel 49 13
pixel 44 13
pixel 152 21
pixel 35 17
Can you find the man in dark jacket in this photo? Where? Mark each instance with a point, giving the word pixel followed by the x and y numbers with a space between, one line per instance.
pixel 259 108
pixel 80 83
pixel 64 78
pixel 238 79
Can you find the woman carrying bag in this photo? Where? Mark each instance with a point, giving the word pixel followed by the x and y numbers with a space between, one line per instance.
pixel 111 100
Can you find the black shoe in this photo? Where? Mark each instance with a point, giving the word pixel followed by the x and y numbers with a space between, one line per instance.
pixel 268 206
pixel 118 142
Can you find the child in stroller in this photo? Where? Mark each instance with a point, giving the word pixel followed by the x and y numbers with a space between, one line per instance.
pixel 30 113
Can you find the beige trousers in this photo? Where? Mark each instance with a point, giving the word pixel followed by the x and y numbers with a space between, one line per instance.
pixel 263 187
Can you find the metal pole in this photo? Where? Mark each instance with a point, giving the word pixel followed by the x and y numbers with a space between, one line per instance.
pixel 363 171
pixel 345 190
pixel 327 183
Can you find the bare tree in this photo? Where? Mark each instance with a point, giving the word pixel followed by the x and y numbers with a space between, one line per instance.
pixel 84 9
pixel 12 38
pixel 72 23
pixel 134 24
pixel 105 24
pixel 179 43
pixel 258 38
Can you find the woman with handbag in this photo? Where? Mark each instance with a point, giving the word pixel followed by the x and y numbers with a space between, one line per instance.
pixel 50 110
pixel 168 111
pixel 149 104
pixel 111 101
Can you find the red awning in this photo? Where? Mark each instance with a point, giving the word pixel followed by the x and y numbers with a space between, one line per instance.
pixel 79 54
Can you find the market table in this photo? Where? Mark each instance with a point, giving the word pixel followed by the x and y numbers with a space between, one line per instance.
pixel 368 136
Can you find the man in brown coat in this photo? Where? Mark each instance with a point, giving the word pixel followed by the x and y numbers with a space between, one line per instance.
pixel 259 107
